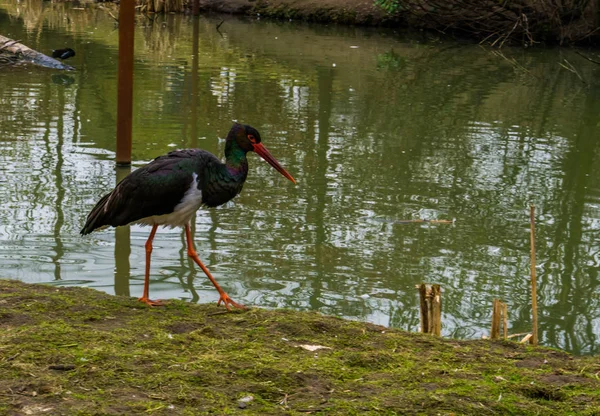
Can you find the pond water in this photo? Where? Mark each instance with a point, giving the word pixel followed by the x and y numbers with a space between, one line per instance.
pixel 375 126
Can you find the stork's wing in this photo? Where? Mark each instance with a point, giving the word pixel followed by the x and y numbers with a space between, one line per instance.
pixel 154 189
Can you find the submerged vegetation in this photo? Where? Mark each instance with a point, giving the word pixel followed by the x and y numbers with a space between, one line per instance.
pixel 79 351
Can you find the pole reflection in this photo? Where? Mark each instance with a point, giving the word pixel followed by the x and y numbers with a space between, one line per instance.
pixel 122 246
pixel 60 188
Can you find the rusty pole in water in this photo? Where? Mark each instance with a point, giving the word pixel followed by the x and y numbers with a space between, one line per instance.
pixel 194 92
pixel 125 82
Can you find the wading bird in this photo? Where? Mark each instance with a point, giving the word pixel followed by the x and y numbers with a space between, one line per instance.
pixel 63 54
pixel 171 188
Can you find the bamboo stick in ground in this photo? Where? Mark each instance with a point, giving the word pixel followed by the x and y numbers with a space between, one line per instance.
pixel 505 321
pixel 431 309
pixel 534 321
pixel 495 331
pixel 499 320
pixel 424 309
pixel 436 310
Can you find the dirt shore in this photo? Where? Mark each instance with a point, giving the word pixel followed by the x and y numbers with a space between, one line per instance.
pixel 74 351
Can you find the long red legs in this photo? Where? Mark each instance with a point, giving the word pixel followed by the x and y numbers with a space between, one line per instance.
pixel 224 297
pixel 148 246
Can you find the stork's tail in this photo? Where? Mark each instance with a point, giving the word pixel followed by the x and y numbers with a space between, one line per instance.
pixel 97 218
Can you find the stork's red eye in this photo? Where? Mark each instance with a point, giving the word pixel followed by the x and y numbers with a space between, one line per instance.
pixel 252 138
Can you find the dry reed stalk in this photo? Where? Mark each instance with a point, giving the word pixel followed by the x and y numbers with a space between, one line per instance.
pixel 505 321
pixel 424 309
pixel 499 319
pixel 495 331
pixel 431 309
pixel 436 310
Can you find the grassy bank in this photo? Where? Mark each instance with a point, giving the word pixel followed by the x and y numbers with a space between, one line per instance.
pixel 79 351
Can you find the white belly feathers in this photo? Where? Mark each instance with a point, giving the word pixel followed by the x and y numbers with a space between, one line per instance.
pixel 183 212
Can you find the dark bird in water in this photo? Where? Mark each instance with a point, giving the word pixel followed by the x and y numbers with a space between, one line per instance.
pixel 171 188
pixel 63 54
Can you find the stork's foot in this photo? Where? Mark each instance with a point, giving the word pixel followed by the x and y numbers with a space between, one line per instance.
pixel 151 302
pixel 227 301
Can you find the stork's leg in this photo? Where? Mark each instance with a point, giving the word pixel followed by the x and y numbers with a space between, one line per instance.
pixel 192 253
pixel 145 297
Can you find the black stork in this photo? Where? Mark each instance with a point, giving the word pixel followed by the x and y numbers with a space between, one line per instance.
pixel 171 188
pixel 63 54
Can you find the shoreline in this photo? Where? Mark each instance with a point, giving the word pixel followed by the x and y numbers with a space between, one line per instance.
pixel 80 351
pixel 526 23
pixel 351 12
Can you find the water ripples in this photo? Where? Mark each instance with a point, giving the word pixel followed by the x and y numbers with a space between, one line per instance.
pixel 395 132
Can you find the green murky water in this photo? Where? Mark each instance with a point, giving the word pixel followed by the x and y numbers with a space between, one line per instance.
pixel 376 128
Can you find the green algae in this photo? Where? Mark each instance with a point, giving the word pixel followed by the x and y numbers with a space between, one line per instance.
pixel 78 351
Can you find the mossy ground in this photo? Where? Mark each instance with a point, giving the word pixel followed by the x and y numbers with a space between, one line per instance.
pixel 67 351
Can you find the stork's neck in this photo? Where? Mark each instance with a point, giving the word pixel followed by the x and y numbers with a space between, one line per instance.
pixel 224 181
pixel 236 163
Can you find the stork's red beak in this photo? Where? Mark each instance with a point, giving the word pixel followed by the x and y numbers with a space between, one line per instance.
pixel 266 155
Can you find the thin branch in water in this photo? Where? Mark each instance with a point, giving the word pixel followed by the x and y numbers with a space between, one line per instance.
pixel 514 63
pixel 569 67
pixel 147 15
pixel 113 16
pixel 109 12
pixel 487 37
pixel 587 57
pixel 508 34
pixel 218 26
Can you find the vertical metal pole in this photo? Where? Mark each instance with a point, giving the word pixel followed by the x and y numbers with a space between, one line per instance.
pixel 125 82
pixel 195 7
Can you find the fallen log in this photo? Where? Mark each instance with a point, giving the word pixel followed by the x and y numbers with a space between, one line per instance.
pixel 26 53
